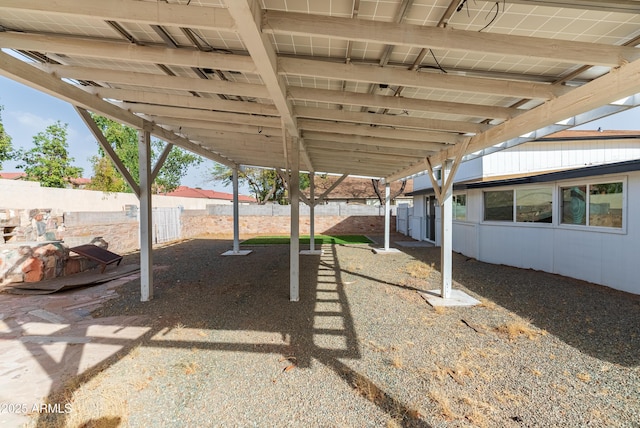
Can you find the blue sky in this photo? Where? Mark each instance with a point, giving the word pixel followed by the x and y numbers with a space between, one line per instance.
pixel 27 112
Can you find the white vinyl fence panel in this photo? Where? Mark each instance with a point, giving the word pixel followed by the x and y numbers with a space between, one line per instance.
pixel 166 224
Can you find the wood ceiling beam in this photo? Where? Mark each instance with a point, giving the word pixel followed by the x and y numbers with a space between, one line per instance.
pixel 151 80
pixel 400 103
pixel 413 79
pixel 362 148
pixel 354 156
pixel 124 51
pixel 247 17
pixel 353 167
pixel 152 13
pixel 235 139
pixel 566 51
pixel 617 84
pixel 366 130
pixel 204 115
pixel 187 101
pixel 178 124
pixel 376 171
pixel 256 155
pixel 374 141
pixel 389 120
pixel 33 77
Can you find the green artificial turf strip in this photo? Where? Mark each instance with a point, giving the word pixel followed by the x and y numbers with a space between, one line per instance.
pixel 305 239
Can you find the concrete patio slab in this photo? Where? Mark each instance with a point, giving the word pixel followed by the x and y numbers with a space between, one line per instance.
pixel 414 244
pixel 458 298
pixel 385 251
pixel 311 252
pixel 237 253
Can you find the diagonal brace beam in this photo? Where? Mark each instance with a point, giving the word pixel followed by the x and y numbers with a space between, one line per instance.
pixel 91 124
pixel 160 162
pixel 330 189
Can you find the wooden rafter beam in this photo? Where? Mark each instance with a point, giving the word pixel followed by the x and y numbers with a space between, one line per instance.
pixel 408 78
pixel 389 120
pixel 400 103
pixel 362 148
pixel 151 80
pixel 123 51
pixel 304 24
pixel 247 15
pixel 372 171
pixel 617 84
pixel 374 141
pixel 187 101
pixel 179 124
pixel 366 130
pixel 204 115
pixel 232 139
pixel 354 156
pixel 152 13
pixel 33 77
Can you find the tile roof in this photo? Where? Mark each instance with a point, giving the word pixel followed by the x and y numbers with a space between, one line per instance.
pixel 12 175
pixel 190 192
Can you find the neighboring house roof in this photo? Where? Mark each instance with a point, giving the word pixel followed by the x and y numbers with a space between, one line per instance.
pixel 545 177
pixel 352 188
pixel 80 181
pixel 189 192
pixel 12 175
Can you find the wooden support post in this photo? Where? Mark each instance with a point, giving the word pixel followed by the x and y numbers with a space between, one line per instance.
pixel 236 213
pixel 387 214
pixel 236 251
pixel 146 256
pixel 446 217
pixel 312 205
pixel 294 189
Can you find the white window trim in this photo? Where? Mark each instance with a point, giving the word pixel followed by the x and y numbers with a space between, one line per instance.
pixel 484 207
pixel 466 206
pixel 513 221
pixel 591 181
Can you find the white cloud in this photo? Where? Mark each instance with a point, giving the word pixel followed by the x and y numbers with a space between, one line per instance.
pixel 34 122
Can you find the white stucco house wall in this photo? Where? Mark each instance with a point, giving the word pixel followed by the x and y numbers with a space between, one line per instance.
pixel 566 204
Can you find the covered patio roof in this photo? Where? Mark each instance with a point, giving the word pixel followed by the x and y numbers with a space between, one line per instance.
pixel 382 89
pixel 375 88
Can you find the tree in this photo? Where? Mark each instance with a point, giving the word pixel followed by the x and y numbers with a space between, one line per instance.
pixel 265 184
pixel 6 150
pixel 48 161
pixel 106 177
pixel 376 188
pixel 174 168
pixel 124 141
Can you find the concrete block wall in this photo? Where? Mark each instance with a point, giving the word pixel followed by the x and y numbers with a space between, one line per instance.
pixel 36 261
pixel 122 233
pixel 222 225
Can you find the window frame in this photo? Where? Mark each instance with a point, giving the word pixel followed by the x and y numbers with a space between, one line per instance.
pixel 588 183
pixel 484 205
pixel 466 199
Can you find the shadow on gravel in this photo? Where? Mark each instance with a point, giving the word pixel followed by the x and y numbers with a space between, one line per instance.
pixel 239 305
pixel 597 320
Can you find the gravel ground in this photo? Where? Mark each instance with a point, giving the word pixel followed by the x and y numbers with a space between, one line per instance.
pixel 225 347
